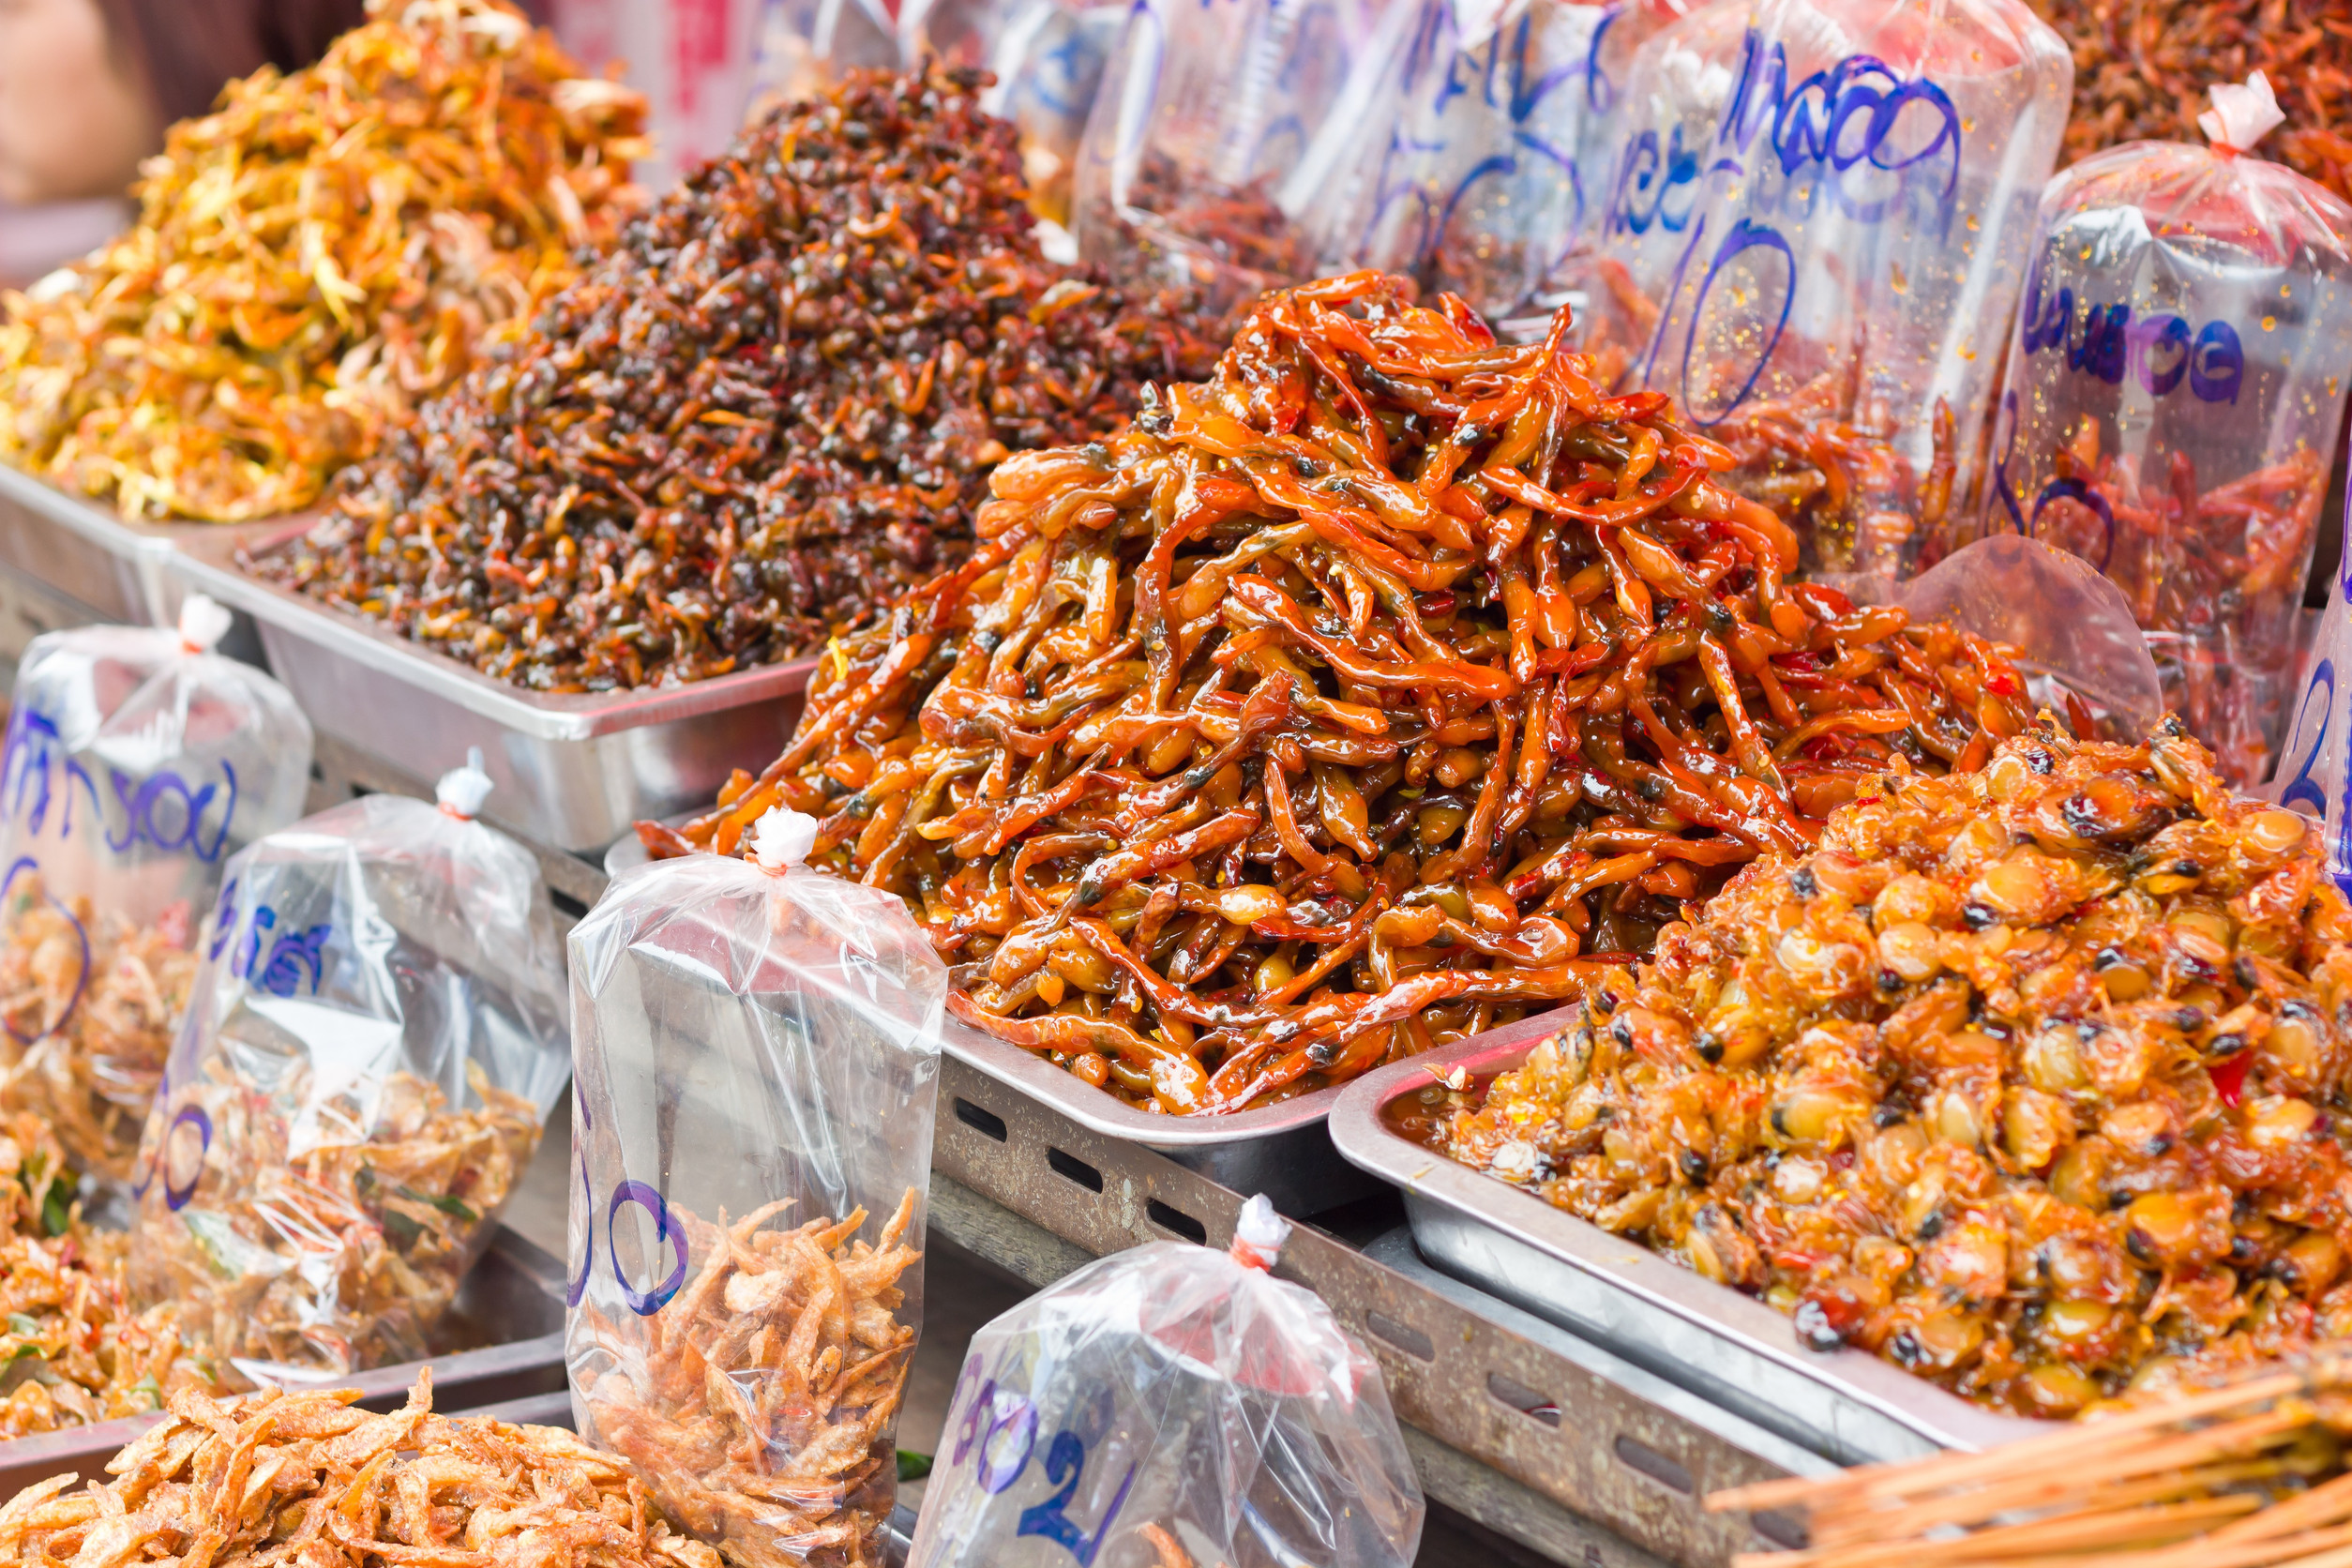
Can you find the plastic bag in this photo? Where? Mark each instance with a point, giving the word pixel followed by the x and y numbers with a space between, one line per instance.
pixel 1495 148
pixel 1204 109
pixel 758 1060
pixel 1813 237
pixel 801 47
pixel 1171 1404
pixel 376 1037
pixel 1468 180
pixel 2175 388
pixel 137 763
pixel 1047 56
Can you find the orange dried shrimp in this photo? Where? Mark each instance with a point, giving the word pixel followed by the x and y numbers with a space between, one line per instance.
pixel 313 257
pixel 2023 1079
pixel 1350 701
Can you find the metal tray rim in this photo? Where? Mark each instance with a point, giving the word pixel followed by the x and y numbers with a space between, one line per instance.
pixel 1364 1141
pixel 1100 1113
pixel 89 519
pixel 210 566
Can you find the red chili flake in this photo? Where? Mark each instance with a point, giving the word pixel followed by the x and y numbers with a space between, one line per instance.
pixel 2229 1078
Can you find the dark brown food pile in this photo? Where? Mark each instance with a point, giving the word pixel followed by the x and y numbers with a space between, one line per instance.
pixel 2142 68
pixel 753 424
pixel 2029 1081
pixel 1349 702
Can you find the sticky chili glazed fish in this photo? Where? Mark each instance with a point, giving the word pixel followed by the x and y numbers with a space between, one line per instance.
pixel 763 414
pixel 1350 701
pixel 2025 1079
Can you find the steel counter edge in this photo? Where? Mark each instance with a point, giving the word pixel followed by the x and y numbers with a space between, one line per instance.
pixel 573 771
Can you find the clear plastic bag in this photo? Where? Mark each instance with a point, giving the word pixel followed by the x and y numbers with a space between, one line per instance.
pixel 1204 109
pixel 801 47
pixel 2175 388
pixel 1469 179
pixel 758 1060
pixel 1813 236
pixel 375 1039
pixel 137 763
pixel 1169 1405
pixel 1047 56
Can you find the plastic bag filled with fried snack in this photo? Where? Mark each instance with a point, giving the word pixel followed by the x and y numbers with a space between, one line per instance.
pixel 138 761
pixel 2173 397
pixel 758 1053
pixel 1171 1404
pixel 375 1038
pixel 1203 112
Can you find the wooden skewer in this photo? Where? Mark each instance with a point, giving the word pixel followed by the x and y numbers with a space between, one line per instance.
pixel 2323 1504
pixel 2073 1446
pixel 2040 1487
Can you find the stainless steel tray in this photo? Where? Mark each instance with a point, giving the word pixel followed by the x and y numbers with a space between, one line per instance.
pixel 1282 1150
pixel 573 771
pixel 512 1305
pixel 82 550
pixel 1847 1405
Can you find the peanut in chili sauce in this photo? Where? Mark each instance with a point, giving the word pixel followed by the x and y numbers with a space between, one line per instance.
pixel 2026 1079
pixel 1387 686
pixel 770 410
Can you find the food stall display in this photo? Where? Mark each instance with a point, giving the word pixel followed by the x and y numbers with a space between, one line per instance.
pixel 1814 235
pixel 138 764
pixel 78 1352
pixel 1283 647
pixel 371 1050
pixel 2173 401
pixel 764 414
pixel 758 1046
pixel 312 258
pixel 1389 684
pixel 2018 1079
pixel 241 1480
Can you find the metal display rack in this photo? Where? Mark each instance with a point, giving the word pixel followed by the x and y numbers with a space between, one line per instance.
pixel 1543 1438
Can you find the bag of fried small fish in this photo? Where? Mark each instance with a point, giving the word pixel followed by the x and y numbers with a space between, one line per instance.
pixel 137 763
pixel 375 1038
pixel 758 1052
pixel 1171 1404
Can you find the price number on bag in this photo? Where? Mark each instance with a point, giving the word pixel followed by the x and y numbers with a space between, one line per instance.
pixel 998 1436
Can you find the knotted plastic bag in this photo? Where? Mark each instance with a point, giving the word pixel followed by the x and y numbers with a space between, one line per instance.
pixel 138 761
pixel 758 1059
pixel 376 1036
pixel 1204 110
pixel 2175 384
pixel 1171 1404
pixel 1813 237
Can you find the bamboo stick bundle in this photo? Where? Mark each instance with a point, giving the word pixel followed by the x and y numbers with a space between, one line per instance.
pixel 2250 1474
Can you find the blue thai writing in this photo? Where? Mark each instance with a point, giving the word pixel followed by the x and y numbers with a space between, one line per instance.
pixel 1503 79
pixel 2156 351
pixel 999 1433
pixel 1871 135
pixel 289 952
pixel 162 810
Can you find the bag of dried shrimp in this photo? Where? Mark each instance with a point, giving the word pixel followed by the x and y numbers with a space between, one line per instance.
pixel 376 1035
pixel 758 1052
pixel 138 761
pixel 2173 402
pixel 1172 1405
